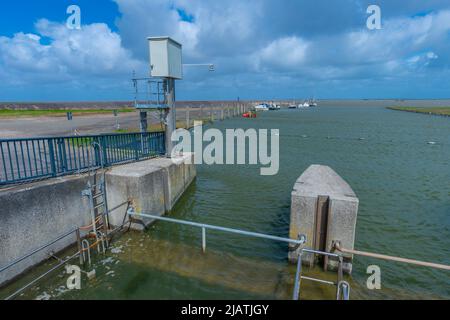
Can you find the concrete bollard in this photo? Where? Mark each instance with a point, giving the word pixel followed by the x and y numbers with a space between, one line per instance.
pixel 324 208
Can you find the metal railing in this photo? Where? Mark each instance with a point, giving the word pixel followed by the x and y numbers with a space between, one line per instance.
pixel 149 93
pixel 204 227
pixel 342 287
pixel 74 231
pixel 24 160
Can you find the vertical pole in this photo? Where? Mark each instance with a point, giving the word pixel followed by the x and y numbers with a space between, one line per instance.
pixel 77 232
pixel 144 122
pixel 187 117
pixel 171 115
pixel 204 240
pixel 221 114
pixel 340 275
pixel 51 152
pixel 298 278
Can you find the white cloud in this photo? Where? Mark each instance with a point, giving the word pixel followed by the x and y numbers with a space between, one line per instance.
pixel 286 53
pixel 254 44
pixel 56 53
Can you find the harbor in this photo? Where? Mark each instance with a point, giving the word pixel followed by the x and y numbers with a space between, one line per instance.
pixel 366 145
pixel 200 161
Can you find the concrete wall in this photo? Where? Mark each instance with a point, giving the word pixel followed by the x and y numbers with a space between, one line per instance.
pixel 340 216
pixel 33 215
pixel 153 186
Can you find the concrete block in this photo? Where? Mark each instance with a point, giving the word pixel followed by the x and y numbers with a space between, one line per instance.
pixel 154 186
pixel 34 214
pixel 338 219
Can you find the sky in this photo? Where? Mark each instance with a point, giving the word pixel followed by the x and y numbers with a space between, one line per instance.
pixel 261 49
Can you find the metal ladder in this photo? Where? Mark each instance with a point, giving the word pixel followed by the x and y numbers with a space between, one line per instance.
pixel 342 287
pixel 96 193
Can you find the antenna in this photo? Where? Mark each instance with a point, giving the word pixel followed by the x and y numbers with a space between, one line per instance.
pixel 211 67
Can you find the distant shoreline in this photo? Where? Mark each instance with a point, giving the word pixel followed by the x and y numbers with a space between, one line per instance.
pixel 438 111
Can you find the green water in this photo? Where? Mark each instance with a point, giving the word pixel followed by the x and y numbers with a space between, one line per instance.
pixel 402 181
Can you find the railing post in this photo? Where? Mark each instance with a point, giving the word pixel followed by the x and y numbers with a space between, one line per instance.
pixel 62 154
pixel 104 151
pixel 298 278
pixel 137 146
pixel 51 151
pixel 204 240
pixel 96 144
pixel 162 145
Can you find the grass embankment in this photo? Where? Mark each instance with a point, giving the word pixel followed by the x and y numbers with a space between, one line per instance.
pixel 438 111
pixel 8 113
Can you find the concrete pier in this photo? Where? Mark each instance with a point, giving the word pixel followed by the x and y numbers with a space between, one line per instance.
pixel 153 187
pixel 35 214
pixel 324 208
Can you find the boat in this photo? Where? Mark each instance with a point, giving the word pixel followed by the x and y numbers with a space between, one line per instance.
pixel 313 103
pixel 274 106
pixel 293 105
pixel 262 107
pixel 304 105
pixel 249 114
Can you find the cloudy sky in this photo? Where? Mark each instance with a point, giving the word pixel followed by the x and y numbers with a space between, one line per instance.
pixel 261 48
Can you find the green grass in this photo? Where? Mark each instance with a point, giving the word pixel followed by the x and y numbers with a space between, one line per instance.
pixel 441 111
pixel 8 113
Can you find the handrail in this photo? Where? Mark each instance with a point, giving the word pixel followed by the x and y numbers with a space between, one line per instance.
pixel 59 265
pixel 29 159
pixel 302 240
pixel 2 269
pixel 392 258
pixel 78 137
pixel 299 277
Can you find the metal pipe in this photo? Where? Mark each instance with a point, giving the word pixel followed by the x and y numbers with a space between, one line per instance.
pixel 343 292
pixel 321 253
pixel 37 250
pixel 298 278
pixel 41 276
pixel 391 258
pixel 204 240
pixel 319 280
pixel 223 229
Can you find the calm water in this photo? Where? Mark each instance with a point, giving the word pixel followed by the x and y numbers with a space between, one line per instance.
pixel 402 181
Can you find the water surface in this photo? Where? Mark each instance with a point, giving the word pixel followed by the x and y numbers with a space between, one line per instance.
pixel 401 179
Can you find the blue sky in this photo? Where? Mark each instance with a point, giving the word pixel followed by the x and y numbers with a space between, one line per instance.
pixel 262 49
